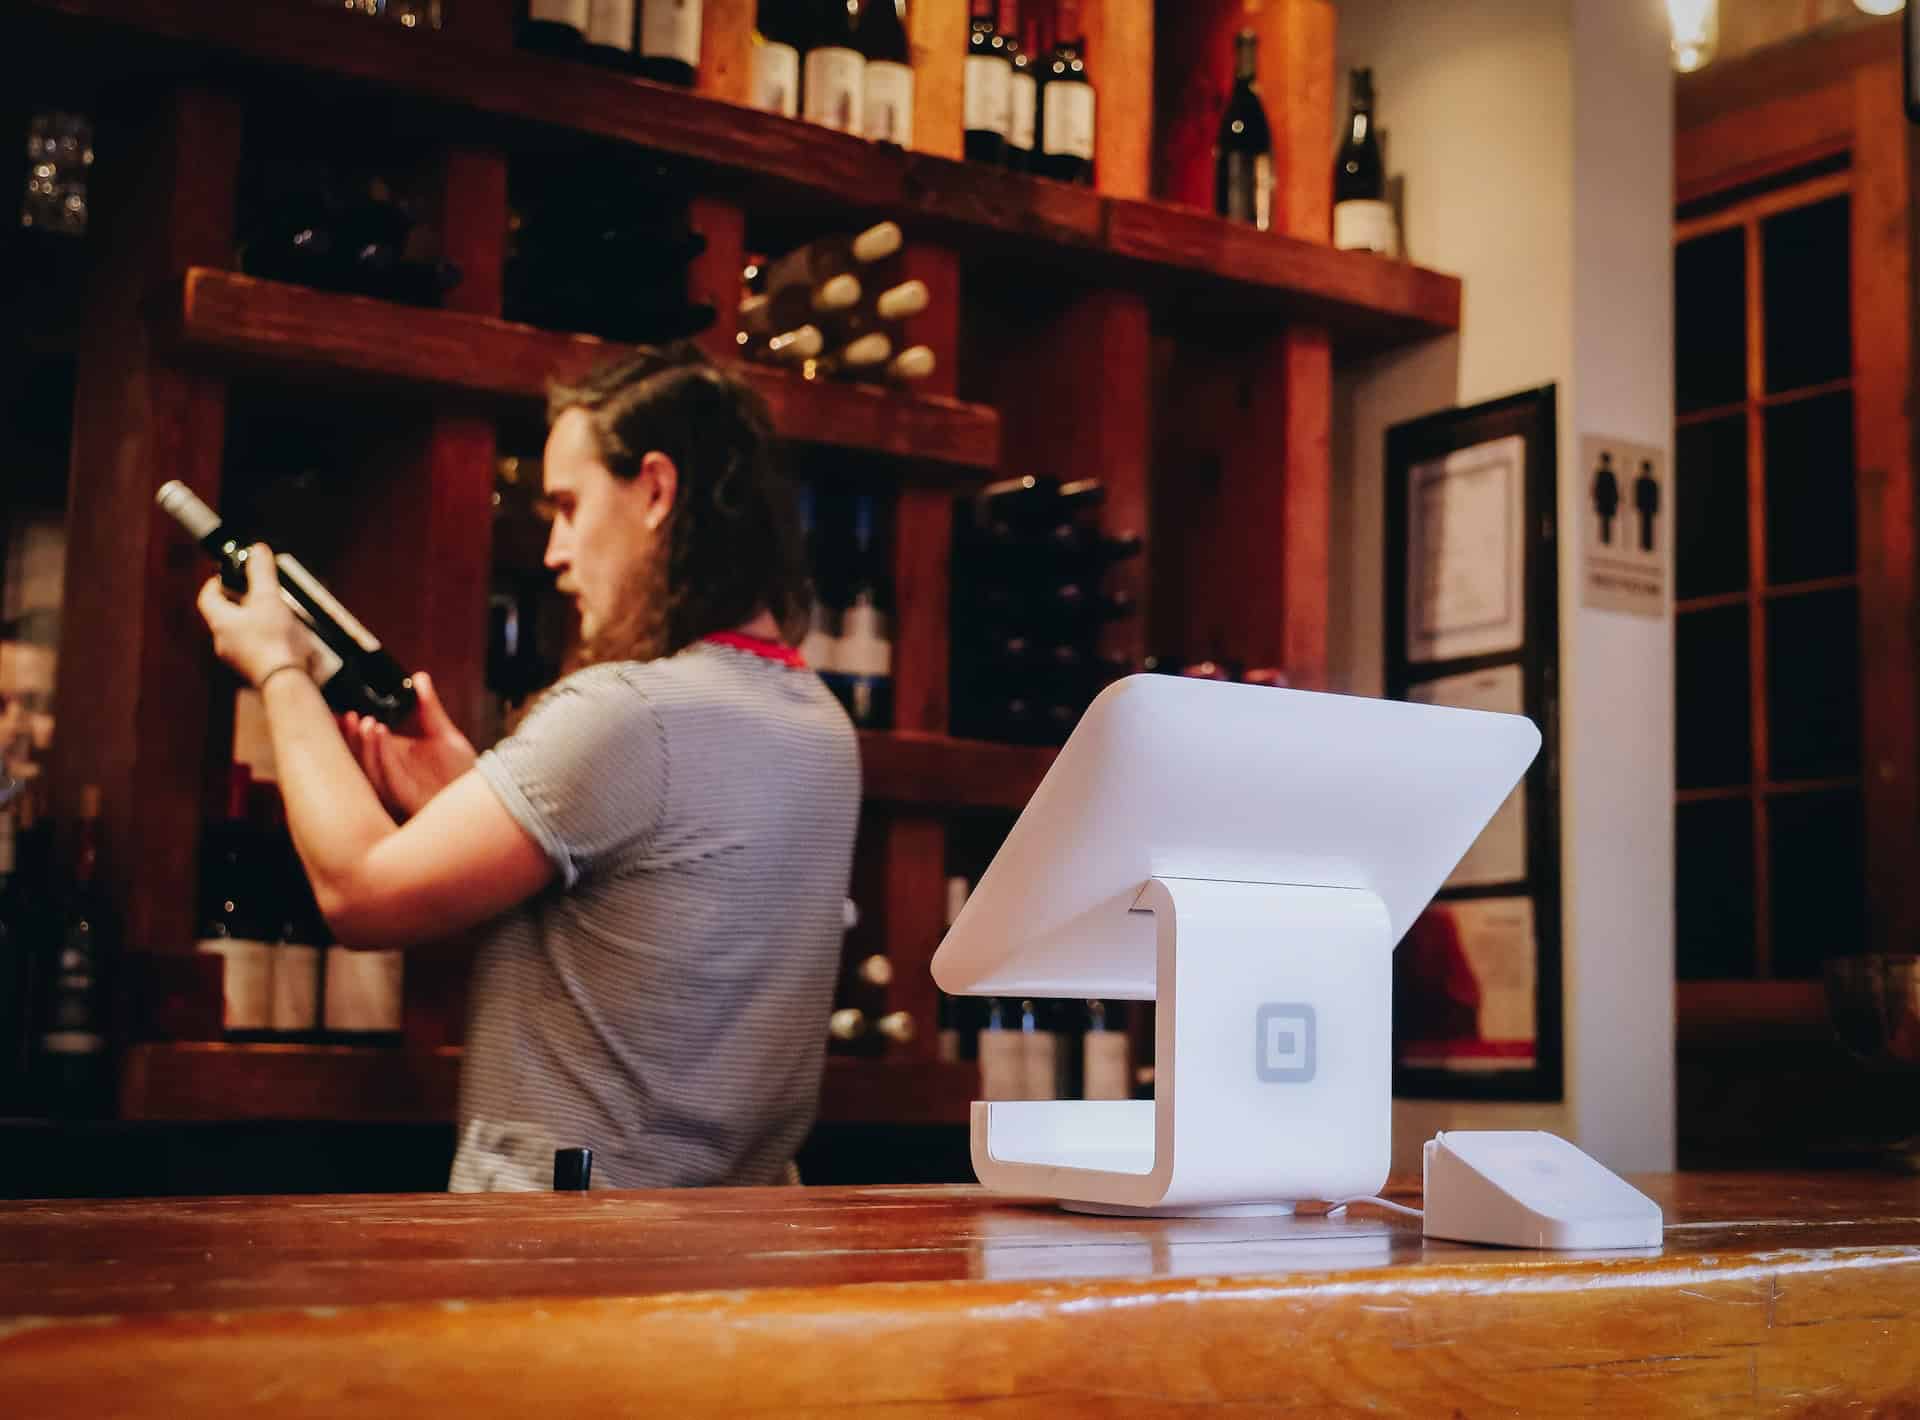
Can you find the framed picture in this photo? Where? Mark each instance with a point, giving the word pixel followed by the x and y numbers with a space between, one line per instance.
pixel 1472 613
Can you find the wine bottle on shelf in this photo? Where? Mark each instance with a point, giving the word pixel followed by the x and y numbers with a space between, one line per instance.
pixel 882 311
pixel 986 94
pixel 834 84
pixel 779 36
pixel 819 647
pixel 299 951
pixel 668 47
pixel 1243 148
pixel 74 1067
pixel 1003 1074
pixel 345 660
pixel 1106 1073
pixel 232 925
pixel 556 27
pixel 863 657
pixel 887 103
pixel 820 262
pixel 1039 1052
pixel 1067 106
pixel 791 307
pixel 786 347
pixel 860 357
pixel 610 34
pixel 1362 219
pixel 916 362
pixel 1023 91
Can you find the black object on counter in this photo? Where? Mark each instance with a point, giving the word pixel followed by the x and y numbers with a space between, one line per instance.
pixel 572 1170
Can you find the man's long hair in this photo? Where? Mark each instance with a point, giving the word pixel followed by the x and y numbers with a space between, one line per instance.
pixel 732 541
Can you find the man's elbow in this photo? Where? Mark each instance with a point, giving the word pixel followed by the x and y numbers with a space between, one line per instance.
pixel 357 917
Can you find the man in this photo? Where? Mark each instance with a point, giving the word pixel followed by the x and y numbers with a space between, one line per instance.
pixel 652 866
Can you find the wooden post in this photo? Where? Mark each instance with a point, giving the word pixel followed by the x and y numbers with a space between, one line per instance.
pixel 134 704
pixel 937 38
pixel 726 50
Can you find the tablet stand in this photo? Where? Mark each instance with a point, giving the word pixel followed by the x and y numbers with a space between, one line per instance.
pixel 1272 1073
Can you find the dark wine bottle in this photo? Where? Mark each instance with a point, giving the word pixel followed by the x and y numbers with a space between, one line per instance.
pixel 1067 108
pixel 347 662
pixel 557 27
pixel 986 98
pixel 888 101
pixel 1023 91
pixel 74 1066
pixel 1362 220
pixel 835 83
pixel 1243 149
pixel 818 263
pixel 779 39
pixel 610 34
pixel 668 48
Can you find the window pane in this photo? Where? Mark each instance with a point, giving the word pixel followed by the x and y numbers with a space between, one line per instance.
pixel 1813 685
pixel 1713 735
pixel 1713 889
pixel 1711 531
pixel 1810 530
pixel 1804 265
pixel 1710 321
pixel 1818 880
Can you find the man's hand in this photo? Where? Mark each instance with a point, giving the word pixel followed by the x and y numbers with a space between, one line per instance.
pixel 408 770
pixel 259 633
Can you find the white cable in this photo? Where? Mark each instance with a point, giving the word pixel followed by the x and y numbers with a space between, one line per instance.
pixel 1386 1203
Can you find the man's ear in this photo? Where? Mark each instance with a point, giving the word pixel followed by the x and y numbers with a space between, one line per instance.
pixel 659 485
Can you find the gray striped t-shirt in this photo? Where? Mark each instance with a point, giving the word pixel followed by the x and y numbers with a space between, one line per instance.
pixel 664 1001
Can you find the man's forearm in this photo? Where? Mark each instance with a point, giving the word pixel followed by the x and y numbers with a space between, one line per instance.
pixel 335 817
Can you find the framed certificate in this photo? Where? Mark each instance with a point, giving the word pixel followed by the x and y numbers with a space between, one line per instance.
pixel 1472 608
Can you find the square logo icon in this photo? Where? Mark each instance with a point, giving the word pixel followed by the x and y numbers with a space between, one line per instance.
pixel 1283 1043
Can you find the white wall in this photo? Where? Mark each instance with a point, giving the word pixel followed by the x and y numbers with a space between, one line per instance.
pixel 1549 191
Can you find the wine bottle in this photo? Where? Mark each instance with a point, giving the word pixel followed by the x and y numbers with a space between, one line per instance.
pixel 1039 1052
pixel 1023 91
pixel 818 646
pixel 1003 1073
pixel 610 34
pixel 556 27
pixel 786 347
pixel 986 96
pixel 819 262
pixel 779 35
pixel 883 312
pixel 791 307
pixel 74 1068
pixel 887 102
pixel 836 72
pixel 1243 149
pixel 345 660
pixel 863 657
pixel 863 356
pixel 299 947
pixel 1105 1071
pixel 916 362
pixel 232 925
pixel 1067 109
pixel 668 50
pixel 895 1027
pixel 1362 220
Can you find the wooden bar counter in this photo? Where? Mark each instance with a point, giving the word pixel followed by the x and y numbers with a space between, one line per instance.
pixel 1774 1295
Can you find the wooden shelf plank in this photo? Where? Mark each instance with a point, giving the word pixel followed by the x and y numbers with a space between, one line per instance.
pixel 203 1081
pixel 1368 303
pixel 230 316
pixel 933 771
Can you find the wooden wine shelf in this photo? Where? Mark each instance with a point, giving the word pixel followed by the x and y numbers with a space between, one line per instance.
pixel 271 324
pixel 934 771
pixel 1365 302
pixel 199 1081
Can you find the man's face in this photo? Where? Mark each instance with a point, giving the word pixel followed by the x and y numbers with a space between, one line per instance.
pixel 603 526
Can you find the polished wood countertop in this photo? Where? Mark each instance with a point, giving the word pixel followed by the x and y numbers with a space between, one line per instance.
pixel 1774 1294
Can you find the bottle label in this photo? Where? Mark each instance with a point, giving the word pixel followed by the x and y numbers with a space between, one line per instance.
pixel 72 1042
pixel 1026 93
pixel 610 22
pixel 889 102
pixel 836 81
pixel 1069 120
pixel 1105 1066
pixel 987 98
pixel 1365 225
pixel 1003 1074
pixel 1040 1061
pixel 246 981
pixel 296 987
pixel 776 78
pixel 560 12
pixel 670 29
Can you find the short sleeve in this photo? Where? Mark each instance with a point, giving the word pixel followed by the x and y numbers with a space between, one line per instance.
pixel 586 773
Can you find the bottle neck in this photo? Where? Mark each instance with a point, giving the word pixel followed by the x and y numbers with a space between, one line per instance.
pixel 1246 59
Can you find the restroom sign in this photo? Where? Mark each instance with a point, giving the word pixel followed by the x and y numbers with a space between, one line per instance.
pixel 1627 521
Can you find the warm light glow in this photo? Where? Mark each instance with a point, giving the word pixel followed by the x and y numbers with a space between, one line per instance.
pixel 1696 32
pixel 1881 7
